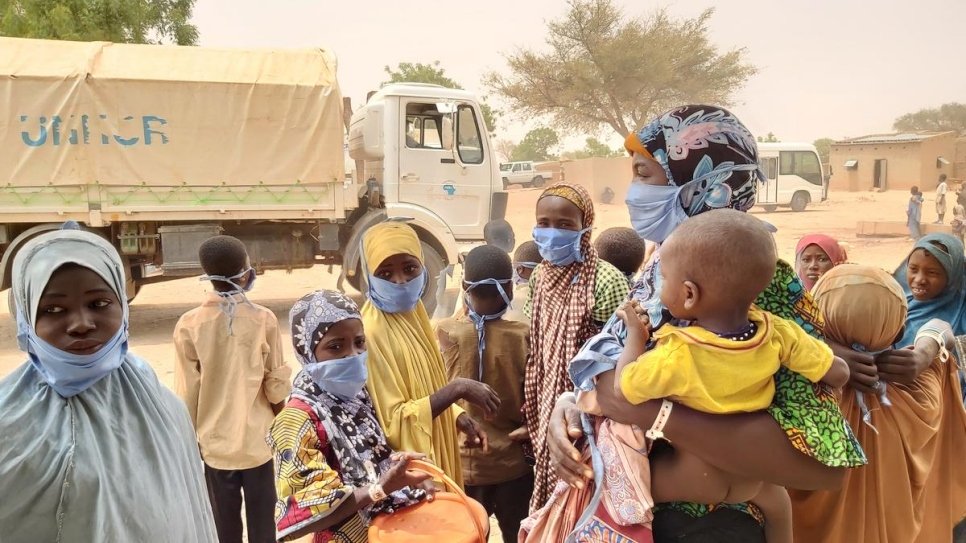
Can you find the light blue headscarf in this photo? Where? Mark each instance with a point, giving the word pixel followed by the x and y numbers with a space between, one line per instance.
pixel 116 461
pixel 950 305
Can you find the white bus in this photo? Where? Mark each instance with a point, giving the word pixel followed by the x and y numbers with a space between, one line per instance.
pixel 794 176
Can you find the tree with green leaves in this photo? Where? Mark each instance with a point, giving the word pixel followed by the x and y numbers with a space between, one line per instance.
pixel 824 148
pixel 947 117
pixel 537 145
pixel 417 72
pixel 594 148
pixel 604 67
pixel 119 21
pixel 770 138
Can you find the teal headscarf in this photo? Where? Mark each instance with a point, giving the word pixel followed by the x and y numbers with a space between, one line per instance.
pixel 950 305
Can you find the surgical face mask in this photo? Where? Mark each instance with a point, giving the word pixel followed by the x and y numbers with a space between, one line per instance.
pixel 228 302
pixel 519 279
pixel 559 247
pixel 342 377
pixel 479 321
pixel 655 210
pixel 392 298
pixel 67 373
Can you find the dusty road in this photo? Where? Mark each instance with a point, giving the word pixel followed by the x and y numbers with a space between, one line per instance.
pixel 158 307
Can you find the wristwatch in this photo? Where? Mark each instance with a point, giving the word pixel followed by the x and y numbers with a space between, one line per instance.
pixel 376 493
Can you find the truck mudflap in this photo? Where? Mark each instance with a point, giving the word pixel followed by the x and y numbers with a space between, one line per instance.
pixel 498 205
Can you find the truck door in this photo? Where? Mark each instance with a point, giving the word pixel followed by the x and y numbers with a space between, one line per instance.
pixel 445 168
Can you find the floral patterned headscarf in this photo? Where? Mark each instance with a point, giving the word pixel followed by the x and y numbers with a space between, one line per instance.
pixel 313 315
pixel 708 151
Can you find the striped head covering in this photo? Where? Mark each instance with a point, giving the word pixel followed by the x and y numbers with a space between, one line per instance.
pixel 563 302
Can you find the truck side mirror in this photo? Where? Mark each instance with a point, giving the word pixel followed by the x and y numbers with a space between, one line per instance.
pixel 447 139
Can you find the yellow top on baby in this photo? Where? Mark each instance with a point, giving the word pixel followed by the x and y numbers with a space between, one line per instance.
pixel 709 373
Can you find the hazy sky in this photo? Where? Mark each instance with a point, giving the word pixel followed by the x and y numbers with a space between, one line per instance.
pixel 834 68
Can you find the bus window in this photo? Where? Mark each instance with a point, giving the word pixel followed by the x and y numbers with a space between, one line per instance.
pixel 804 164
pixel 770 165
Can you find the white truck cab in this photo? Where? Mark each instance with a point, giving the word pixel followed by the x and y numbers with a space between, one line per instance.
pixel 422 150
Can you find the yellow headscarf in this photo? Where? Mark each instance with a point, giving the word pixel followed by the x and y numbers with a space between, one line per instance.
pixel 405 364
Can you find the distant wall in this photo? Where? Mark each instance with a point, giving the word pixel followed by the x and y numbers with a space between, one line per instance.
pixel 598 174
pixel 907 164
pixel 940 146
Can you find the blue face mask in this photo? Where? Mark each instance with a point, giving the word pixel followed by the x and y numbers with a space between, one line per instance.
pixel 392 298
pixel 343 377
pixel 655 210
pixel 517 278
pixel 228 301
pixel 559 247
pixel 479 321
pixel 67 373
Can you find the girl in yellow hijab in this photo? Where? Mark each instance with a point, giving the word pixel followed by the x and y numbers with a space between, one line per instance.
pixel 407 380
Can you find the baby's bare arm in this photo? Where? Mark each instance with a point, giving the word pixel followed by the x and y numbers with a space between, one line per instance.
pixel 637 336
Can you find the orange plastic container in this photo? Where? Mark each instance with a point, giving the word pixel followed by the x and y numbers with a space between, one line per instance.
pixel 452 517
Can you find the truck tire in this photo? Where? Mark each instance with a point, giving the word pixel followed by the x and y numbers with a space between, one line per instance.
pixel 434 264
pixel 770 208
pixel 537 181
pixel 506 183
pixel 799 201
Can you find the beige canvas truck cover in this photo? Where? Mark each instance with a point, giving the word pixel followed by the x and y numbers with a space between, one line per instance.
pixel 157 116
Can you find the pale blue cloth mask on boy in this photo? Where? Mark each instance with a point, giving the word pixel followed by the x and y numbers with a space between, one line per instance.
pixel 479 321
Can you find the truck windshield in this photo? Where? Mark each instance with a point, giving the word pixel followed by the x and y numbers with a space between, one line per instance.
pixel 505 167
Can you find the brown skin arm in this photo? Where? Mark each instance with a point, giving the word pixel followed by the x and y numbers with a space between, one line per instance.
pixel 750 445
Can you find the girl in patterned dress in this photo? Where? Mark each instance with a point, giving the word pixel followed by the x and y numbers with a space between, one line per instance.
pixel 334 470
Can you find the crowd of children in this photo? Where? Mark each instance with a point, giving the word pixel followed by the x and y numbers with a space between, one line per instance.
pixel 715 324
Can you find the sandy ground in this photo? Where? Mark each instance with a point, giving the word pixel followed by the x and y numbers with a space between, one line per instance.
pixel 158 307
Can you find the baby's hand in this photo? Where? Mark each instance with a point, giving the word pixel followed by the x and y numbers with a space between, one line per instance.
pixel 634 316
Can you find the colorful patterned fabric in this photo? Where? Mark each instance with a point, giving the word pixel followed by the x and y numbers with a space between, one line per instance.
pixel 706 150
pixel 563 302
pixel 325 446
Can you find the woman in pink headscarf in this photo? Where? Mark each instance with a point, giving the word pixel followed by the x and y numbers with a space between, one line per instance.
pixel 816 254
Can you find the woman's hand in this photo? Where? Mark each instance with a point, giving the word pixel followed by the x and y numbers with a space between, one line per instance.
pixel 478 394
pixel 563 430
pixel 903 366
pixel 398 475
pixel 475 436
pixel 520 435
pixel 863 372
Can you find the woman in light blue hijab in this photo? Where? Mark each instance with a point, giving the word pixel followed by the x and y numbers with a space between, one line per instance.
pixel 92 446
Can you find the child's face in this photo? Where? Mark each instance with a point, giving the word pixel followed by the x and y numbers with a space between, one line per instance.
pixel 485 302
pixel 926 276
pixel 813 263
pixel 345 338
pixel 524 272
pixel 677 293
pixel 78 311
pixel 399 269
pixel 560 213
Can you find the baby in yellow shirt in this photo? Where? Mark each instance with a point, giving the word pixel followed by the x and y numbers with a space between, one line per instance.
pixel 713 267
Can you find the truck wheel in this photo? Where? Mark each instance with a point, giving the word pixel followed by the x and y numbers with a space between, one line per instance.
pixel 537 181
pixel 770 208
pixel 506 183
pixel 11 304
pixel 799 201
pixel 356 280
pixel 434 264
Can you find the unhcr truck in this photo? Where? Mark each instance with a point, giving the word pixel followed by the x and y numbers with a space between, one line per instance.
pixel 157 148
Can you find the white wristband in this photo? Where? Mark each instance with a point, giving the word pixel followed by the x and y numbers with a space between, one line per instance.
pixel 937 336
pixel 657 429
pixel 376 493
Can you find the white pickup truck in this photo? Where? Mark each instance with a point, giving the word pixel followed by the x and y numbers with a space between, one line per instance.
pixel 523 173
pixel 157 148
